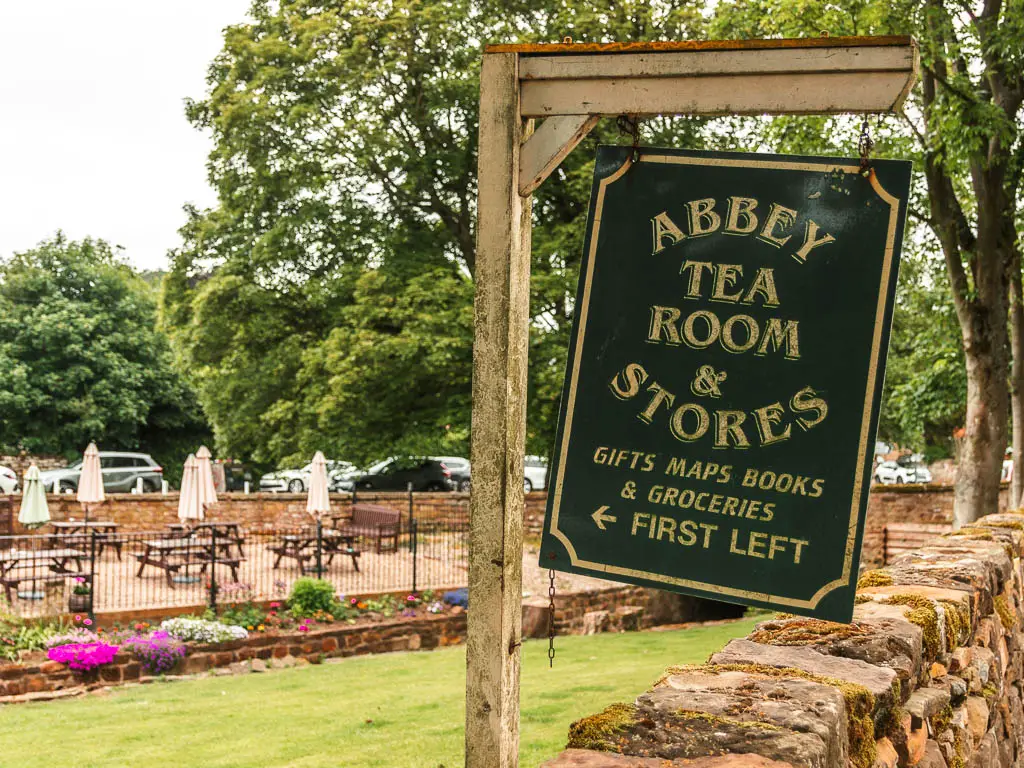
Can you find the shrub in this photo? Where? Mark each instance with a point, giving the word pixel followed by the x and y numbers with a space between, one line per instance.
pixel 248 615
pixel 309 596
pixel 83 656
pixel 158 652
pixel 202 630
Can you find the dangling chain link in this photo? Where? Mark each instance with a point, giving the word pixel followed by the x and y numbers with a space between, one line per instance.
pixel 865 145
pixel 551 619
pixel 629 125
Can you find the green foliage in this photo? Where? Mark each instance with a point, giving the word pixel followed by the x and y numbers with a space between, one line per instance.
pixel 385 605
pixel 248 615
pixel 82 358
pixel 16 634
pixel 309 596
pixel 326 302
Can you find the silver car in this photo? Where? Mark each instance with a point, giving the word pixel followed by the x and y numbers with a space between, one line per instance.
pixel 297 480
pixel 121 473
pixel 8 480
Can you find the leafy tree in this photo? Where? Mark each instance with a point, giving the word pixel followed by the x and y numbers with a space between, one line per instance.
pixel 926 382
pixel 340 256
pixel 965 129
pixel 83 360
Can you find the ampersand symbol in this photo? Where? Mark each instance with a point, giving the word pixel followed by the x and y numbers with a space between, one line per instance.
pixel 629 490
pixel 706 382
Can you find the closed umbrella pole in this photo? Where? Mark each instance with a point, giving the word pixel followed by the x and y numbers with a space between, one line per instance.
pixel 188 499
pixel 90 481
pixel 34 510
pixel 206 487
pixel 318 500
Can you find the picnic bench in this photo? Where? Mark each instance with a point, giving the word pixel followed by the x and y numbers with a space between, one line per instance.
pixel 74 533
pixel 176 556
pixel 18 565
pixel 301 547
pixel 229 533
pixel 369 521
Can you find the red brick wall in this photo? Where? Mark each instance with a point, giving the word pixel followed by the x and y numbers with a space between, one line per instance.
pixel 256 511
pixel 267 511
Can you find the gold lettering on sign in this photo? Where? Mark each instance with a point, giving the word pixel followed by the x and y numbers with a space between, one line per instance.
pixel 664 227
pixel 740 208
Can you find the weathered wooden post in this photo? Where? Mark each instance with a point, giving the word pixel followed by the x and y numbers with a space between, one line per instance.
pixel 571 87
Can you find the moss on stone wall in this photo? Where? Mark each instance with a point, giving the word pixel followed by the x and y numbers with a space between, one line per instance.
pixel 691 716
pixel 599 731
pixel 925 616
pixel 973 532
pixel 874 579
pixel 860 702
pixel 806 632
pixel 958 623
pixel 1006 614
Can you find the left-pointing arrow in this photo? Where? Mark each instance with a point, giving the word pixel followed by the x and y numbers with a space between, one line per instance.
pixel 601 518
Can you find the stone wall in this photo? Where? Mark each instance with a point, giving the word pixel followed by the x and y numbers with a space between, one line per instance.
pixel 619 609
pixel 616 609
pixel 39 678
pixel 930 674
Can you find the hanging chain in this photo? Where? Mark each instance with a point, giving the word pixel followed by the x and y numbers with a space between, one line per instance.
pixel 551 618
pixel 864 146
pixel 629 125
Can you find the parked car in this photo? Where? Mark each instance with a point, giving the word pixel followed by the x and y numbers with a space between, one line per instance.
pixel 892 472
pixel 459 468
pixel 297 480
pixel 121 473
pixel 535 469
pixel 395 474
pixel 8 480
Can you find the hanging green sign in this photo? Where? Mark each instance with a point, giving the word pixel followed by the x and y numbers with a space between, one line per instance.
pixel 721 396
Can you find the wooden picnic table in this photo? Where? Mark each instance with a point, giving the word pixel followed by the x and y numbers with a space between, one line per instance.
pixel 229 532
pixel 71 533
pixel 178 555
pixel 15 562
pixel 301 547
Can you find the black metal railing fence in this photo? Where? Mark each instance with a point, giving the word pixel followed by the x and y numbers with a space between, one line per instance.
pixel 218 562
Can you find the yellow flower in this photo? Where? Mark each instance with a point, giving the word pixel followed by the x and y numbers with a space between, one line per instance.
pixel 260 627
pixel 250 626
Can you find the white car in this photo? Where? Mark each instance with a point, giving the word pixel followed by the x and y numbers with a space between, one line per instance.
pixel 535 469
pixel 891 472
pixel 8 480
pixel 297 480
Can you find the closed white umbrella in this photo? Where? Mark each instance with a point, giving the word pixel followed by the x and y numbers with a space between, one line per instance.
pixel 204 478
pixel 318 500
pixel 90 480
pixel 189 507
pixel 34 509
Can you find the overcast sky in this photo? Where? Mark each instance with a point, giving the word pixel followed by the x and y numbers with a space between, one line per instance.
pixel 93 137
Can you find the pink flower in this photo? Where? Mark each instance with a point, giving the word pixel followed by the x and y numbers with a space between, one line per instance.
pixel 275 605
pixel 88 622
pixel 78 618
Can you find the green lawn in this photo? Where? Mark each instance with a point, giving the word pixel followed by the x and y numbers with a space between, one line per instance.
pixel 393 711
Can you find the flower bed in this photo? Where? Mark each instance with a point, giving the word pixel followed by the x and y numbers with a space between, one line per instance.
pixel 37 677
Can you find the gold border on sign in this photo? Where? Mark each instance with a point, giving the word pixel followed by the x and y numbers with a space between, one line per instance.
pixel 876 344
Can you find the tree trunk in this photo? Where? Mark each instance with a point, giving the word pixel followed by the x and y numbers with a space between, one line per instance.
pixel 1017 380
pixel 981 458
